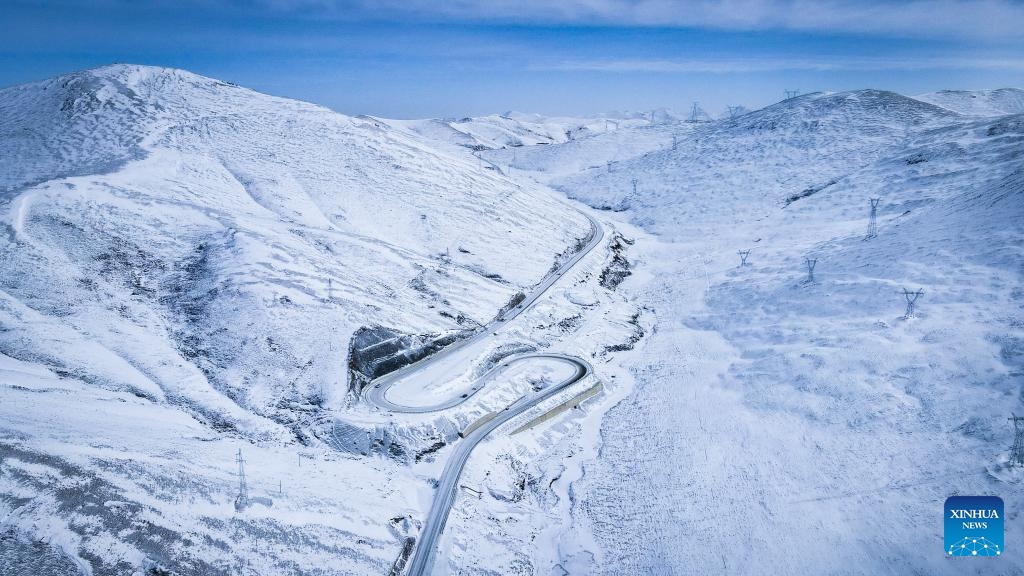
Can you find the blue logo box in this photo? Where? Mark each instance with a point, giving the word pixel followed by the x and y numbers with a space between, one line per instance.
pixel 974 526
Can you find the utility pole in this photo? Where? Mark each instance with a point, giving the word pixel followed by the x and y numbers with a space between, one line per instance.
pixel 873 219
pixel 911 301
pixel 1017 452
pixel 811 263
pixel 743 256
pixel 242 501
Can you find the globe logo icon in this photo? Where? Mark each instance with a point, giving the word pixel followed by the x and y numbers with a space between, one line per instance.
pixel 975 546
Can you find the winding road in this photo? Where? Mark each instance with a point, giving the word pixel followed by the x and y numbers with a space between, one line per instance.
pixel 460 355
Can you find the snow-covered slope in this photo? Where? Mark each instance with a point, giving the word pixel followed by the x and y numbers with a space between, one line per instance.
pixel 517 130
pixel 185 261
pixel 998 102
pixel 598 152
pixel 228 210
pixel 777 421
pixel 180 250
pixel 496 131
pixel 751 164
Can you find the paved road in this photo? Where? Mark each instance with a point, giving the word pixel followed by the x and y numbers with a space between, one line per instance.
pixel 376 393
pixel 448 484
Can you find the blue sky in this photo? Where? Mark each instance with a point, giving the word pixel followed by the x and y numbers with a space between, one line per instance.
pixel 420 58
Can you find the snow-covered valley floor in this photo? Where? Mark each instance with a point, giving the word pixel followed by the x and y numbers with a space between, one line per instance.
pixel 191 269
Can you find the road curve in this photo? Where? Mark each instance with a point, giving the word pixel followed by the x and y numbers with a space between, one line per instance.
pixel 376 394
pixel 376 391
pixel 448 483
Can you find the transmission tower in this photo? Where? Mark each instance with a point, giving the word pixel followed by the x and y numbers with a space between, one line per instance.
pixel 609 166
pixel 695 112
pixel 791 94
pixel 811 263
pixel 734 111
pixel 873 219
pixel 911 301
pixel 1017 452
pixel 743 256
pixel 674 141
pixel 243 489
pixel 634 181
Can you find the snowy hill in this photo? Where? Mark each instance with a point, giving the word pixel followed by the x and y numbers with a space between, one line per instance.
pixel 192 258
pixel 596 152
pixel 185 263
pixel 755 162
pixel 815 401
pixel 197 209
pixel 979 102
pixel 517 130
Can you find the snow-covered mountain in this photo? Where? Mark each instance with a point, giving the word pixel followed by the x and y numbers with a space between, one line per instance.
pixel 779 420
pixel 184 262
pixel 755 162
pixel 513 130
pixel 998 102
pixel 190 211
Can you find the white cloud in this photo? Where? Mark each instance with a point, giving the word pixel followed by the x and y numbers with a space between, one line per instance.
pixel 994 19
pixel 747 65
